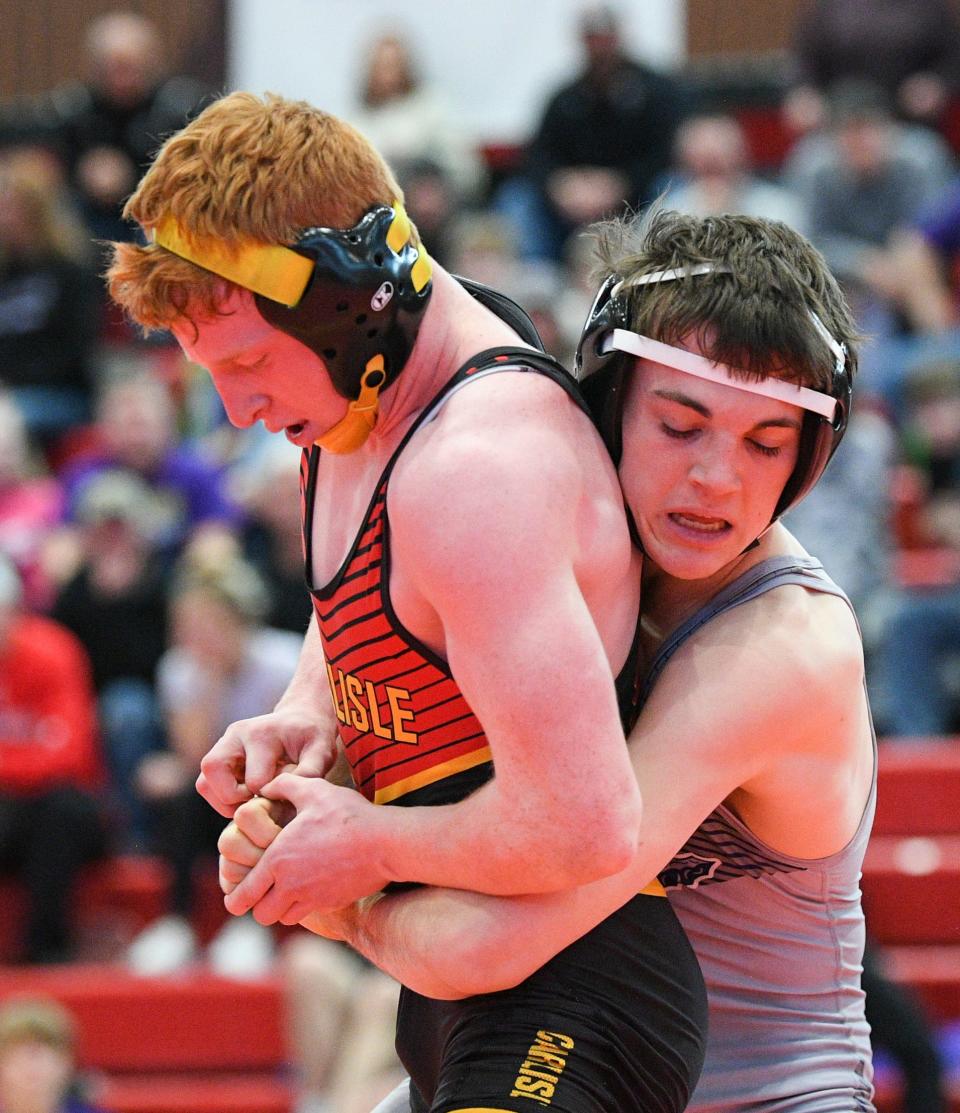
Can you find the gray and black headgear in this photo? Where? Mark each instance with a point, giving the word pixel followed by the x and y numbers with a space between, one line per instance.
pixel 604 356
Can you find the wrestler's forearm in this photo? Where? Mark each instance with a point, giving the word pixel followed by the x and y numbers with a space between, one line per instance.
pixel 499 842
pixel 449 943
pixel 404 938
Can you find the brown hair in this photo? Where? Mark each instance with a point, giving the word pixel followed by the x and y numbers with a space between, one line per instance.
pixel 28 180
pixel 218 572
pixel 42 1019
pixel 375 91
pixel 755 314
pixel 245 169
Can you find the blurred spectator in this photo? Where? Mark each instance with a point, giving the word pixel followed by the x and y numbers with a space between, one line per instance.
pixel 341 1019
pixel 38 1071
pixel 116 604
pixel 921 148
pixel 31 504
pixel 712 174
pixel 50 819
pixel 432 202
pixel 921 636
pixel 483 247
pixel 922 275
pixel 272 539
pixel 900 1027
pixel 863 190
pixel 910 48
pixel 223 665
pixel 106 128
pixel 602 142
pixel 409 122
pixel 925 260
pixel 136 425
pixel 845 520
pixel 48 302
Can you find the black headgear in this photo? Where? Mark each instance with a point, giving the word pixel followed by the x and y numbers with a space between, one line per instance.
pixel 368 290
pixel 353 296
pixel 602 373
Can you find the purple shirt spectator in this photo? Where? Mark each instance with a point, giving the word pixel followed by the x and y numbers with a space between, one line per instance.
pixel 137 430
pixel 939 223
pixel 188 491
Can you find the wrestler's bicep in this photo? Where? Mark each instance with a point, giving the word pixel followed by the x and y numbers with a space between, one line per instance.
pixel 496 563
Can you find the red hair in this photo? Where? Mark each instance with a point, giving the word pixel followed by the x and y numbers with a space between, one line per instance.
pixel 246 169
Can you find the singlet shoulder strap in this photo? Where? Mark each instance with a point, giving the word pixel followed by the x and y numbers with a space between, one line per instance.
pixel 493 360
pixel 488 362
pixel 762 577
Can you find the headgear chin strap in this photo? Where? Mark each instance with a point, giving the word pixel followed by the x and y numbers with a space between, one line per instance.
pixel 355 426
pixel 607 337
pixel 353 296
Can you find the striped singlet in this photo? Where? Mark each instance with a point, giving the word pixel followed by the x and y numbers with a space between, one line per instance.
pixel 406 729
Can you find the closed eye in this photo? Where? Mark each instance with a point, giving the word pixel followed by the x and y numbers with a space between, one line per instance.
pixel 255 365
pixel 679 434
pixel 766 449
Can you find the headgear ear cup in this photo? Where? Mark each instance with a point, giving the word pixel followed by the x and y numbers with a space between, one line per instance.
pixel 601 374
pixel 369 288
pixel 820 437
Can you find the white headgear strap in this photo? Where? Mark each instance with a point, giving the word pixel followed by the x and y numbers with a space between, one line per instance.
pixel 680 359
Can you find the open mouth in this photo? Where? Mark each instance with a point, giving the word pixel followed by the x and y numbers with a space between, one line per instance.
pixel 293 431
pixel 700 524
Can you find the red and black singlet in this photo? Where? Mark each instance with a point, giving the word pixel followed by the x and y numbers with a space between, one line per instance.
pixel 406 729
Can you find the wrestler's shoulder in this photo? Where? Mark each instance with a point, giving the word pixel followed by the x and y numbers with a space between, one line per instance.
pixel 510 428
pixel 518 399
pixel 810 622
pixel 805 642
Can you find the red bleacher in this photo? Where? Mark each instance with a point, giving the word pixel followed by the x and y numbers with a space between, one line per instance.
pixel 911 884
pixel 911 879
pixel 919 788
pixel 201 1044
pixel 911 889
pixel 194 1043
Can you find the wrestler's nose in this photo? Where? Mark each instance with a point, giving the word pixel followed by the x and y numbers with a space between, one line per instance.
pixel 243 407
pixel 715 469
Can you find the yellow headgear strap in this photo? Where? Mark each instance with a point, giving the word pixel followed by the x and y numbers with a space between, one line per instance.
pixel 274 271
pixel 398 235
pixel 355 426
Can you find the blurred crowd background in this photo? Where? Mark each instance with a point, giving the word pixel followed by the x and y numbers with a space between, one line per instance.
pixel 151 584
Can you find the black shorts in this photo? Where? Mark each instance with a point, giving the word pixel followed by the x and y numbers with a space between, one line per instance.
pixel 616 1023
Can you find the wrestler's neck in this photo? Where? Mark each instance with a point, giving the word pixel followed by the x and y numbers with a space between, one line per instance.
pixel 668 601
pixel 455 327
